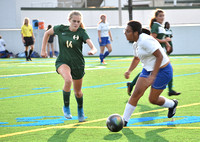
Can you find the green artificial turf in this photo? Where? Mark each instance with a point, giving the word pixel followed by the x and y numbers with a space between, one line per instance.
pixel 25 94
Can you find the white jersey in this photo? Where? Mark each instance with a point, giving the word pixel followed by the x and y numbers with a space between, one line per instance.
pixel 104 28
pixel 134 49
pixel 2 43
pixel 145 47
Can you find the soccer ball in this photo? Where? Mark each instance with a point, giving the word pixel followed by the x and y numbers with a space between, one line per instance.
pixel 115 123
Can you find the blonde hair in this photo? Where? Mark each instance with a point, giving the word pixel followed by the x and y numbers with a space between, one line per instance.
pixel 77 13
pixel 26 18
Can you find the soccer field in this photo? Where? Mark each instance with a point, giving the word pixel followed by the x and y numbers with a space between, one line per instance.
pixel 31 103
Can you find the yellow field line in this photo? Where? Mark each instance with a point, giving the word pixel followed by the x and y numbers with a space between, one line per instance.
pixel 98 120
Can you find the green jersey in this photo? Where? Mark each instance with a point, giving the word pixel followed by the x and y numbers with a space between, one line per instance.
pixel 159 30
pixel 70 46
pixel 169 34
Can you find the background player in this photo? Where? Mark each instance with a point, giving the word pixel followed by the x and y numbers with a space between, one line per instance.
pixel 158 32
pixel 3 52
pixel 169 34
pixel 70 63
pixel 103 37
pixel 50 43
pixel 27 38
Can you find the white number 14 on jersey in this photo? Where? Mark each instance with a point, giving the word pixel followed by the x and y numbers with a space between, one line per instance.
pixel 69 44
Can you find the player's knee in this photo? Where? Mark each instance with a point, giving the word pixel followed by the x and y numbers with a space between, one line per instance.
pixel 171 50
pixel 68 81
pixel 110 50
pixel 79 94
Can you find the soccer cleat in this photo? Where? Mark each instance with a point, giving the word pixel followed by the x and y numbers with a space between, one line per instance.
pixel 26 58
pixel 171 93
pixel 129 88
pixel 103 63
pixel 172 110
pixel 125 123
pixel 67 113
pixel 29 58
pixel 81 115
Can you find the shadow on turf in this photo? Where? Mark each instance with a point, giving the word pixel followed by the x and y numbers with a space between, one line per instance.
pixel 149 136
pixel 113 137
pixel 61 135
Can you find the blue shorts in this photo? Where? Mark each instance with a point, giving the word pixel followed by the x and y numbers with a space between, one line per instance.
pixel 104 41
pixel 163 77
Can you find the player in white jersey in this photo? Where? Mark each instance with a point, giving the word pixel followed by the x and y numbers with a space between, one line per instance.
pixel 157 71
pixel 104 38
pixel 3 52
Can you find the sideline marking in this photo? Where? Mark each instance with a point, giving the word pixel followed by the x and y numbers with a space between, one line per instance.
pixel 39 73
pixel 3 88
pixel 96 68
pixel 98 120
pixel 30 94
pixel 28 74
pixel 40 88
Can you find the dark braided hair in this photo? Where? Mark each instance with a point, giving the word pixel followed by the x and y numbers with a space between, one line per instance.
pixel 136 26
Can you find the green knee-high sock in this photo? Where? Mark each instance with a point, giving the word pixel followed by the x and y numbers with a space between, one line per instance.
pixel 135 80
pixel 66 98
pixel 80 102
pixel 170 85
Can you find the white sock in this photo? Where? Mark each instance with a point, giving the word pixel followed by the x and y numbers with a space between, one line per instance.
pixel 168 103
pixel 129 109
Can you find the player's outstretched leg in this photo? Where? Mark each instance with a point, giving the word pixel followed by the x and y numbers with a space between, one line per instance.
pixel 106 54
pixel 79 98
pixel 81 116
pixel 172 110
pixel 109 47
pixel 156 99
pixel 130 85
pixel 129 109
pixel 138 92
pixel 101 57
pixel 66 108
pixel 171 91
pixel 65 71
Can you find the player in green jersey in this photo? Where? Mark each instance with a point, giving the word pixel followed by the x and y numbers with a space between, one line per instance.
pixel 169 34
pixel 158 32
pixel 70 63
